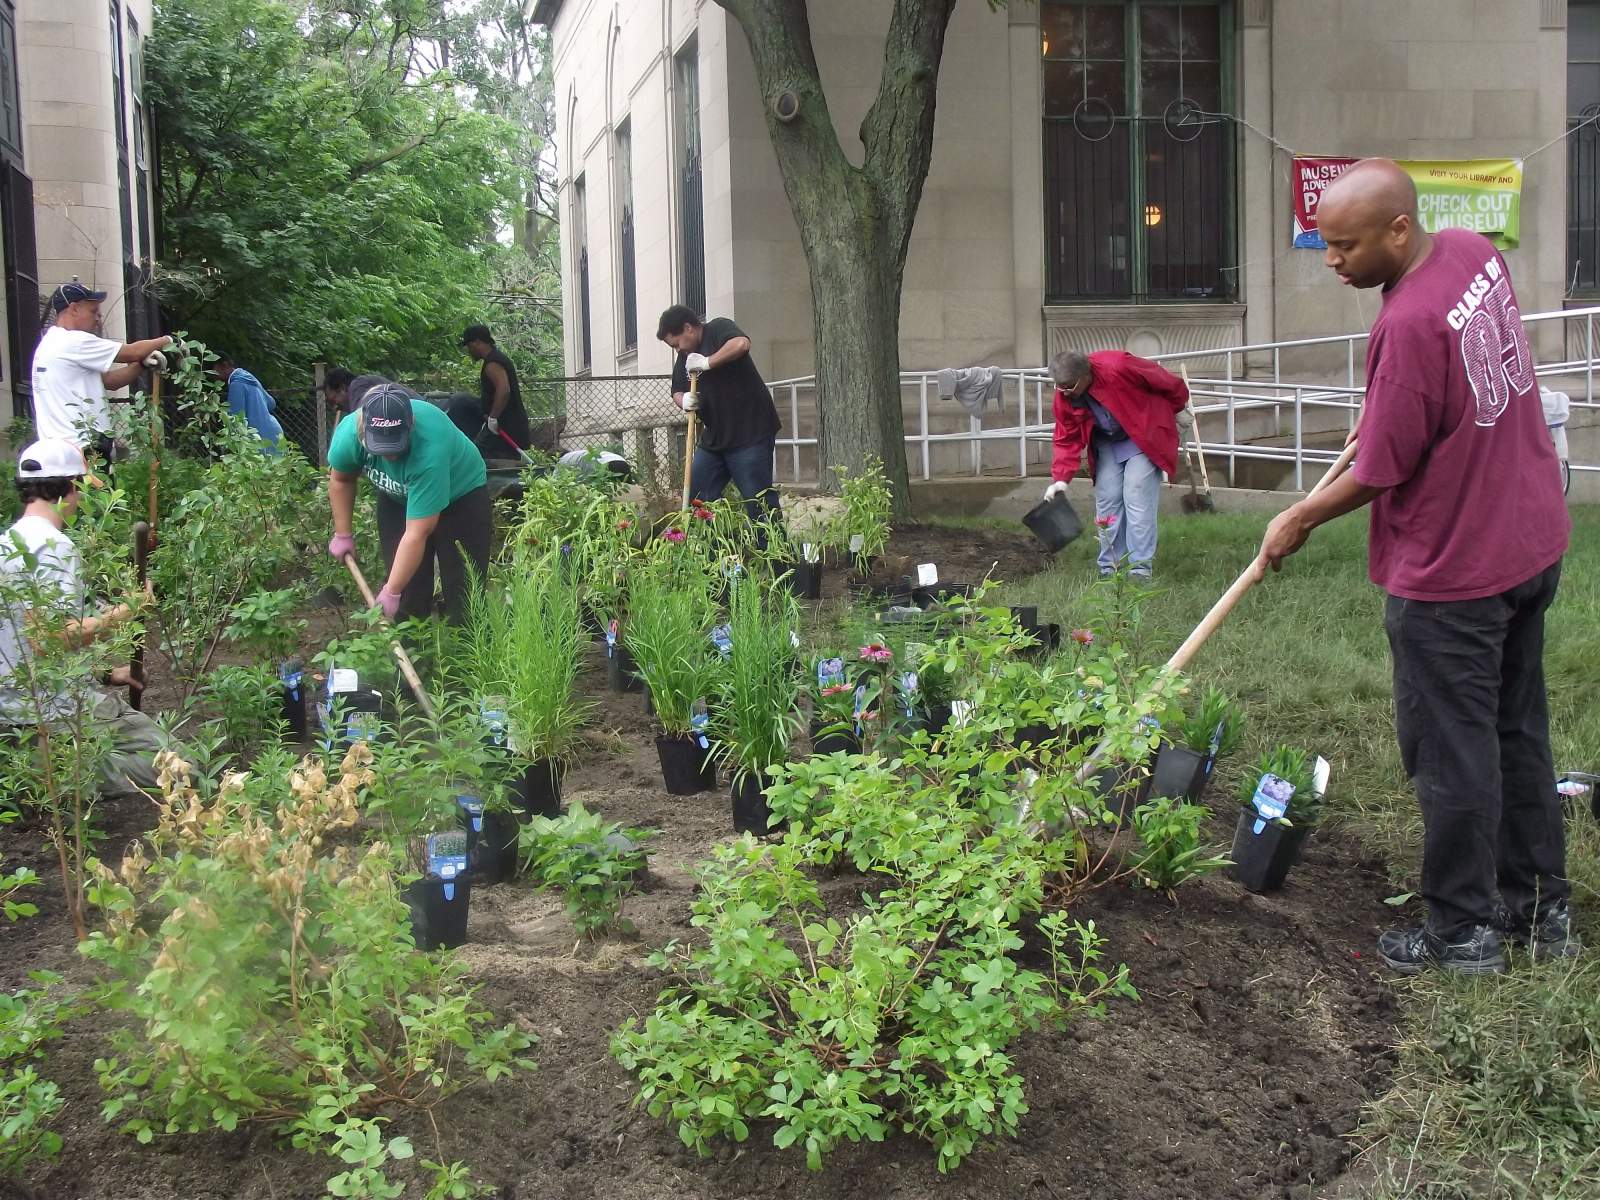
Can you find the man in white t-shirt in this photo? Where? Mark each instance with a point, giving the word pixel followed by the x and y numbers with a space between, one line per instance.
pixel 74 367
pixel 42 596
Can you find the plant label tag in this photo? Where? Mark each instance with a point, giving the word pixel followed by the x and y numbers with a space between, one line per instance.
pixel 808 551
pixel 1271 801
pixel 447 858
pixel 960 712
pixel 722 639
pixel 857 541
pixel 830 672
pixel 472 807
pixel 927 574
pixel 1319 777
pixel 342 680
pixel 794 639
pixel 491 711
pixel 611 639
pixel 699 722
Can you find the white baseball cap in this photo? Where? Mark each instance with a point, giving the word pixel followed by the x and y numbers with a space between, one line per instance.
pixel 53 458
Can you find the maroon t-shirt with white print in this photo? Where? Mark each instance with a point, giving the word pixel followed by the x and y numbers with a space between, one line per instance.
pixel 1454 429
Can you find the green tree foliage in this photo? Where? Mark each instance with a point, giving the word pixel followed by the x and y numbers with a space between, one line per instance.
pixel 334 179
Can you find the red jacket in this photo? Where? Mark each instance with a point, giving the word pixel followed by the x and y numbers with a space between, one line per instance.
pixel 1143 396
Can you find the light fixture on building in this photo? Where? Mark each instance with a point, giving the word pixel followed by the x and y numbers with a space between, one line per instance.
pixel 1152 214
pixel 1046 49
pixel 786 106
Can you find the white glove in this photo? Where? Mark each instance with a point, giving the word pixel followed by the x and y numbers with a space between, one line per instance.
pixel 156 359
pixel 492 424
pixel 1055 489
pixel 695 363
pixel 691 402
pixel 1185 419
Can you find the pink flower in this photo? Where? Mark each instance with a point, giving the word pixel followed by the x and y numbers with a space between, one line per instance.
pixel 835 689
pixel 1105 522
pixel 624 524
pixel 870 715
pixel 705 514
pixel 1084 637
pixel 876 652
pixel 674 535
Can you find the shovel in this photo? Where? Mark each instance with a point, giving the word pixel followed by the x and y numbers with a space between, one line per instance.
pixel 1198 500
pixel 141 560
pixel 689 436
pixel 400 655
pixel 527 461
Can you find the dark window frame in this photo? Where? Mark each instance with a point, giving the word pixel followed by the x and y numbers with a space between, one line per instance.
pixel 628 280
pixel 689 174
pixel 1583 154
pixel 1111 251
pixel 580 254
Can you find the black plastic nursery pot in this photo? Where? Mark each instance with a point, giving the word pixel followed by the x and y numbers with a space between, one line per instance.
pixel 1054 523
pixel 438 912
pixel 621 673
pixel 1123 789
pixel 1261 861
pixel 491 845
pixel 750 811
pixel 834 738
pixel 686 766
pixel 537 792
pixel 1181 773
pixel 1026 615
pixel 940 593
pixel 803 579
pixel 885 594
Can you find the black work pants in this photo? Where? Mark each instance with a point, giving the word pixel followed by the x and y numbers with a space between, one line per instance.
pixel 461 537
pixel 1473 723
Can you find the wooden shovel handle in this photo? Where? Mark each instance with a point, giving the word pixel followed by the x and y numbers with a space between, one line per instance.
pixel 400 655
pixel 688 439
pixel 1194 432
pixel 141 563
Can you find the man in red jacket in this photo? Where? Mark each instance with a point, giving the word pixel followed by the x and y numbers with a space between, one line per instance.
pixel 1125 411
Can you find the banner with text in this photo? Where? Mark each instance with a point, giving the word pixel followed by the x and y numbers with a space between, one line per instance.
pixel 1484 195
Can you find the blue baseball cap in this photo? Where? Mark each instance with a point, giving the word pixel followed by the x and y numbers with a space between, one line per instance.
pixel 71 293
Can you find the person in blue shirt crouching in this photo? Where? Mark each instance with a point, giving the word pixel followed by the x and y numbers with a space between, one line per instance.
pixel 248 399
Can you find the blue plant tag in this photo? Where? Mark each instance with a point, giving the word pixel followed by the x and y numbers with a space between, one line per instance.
pixel 447 859
pixel 494 719
pixel 1271 801
pixel 830 672
pixel 722 639
pixel 362 726
pixel 611 639
pixel 473 807
pixel 291 676
pixel 699 722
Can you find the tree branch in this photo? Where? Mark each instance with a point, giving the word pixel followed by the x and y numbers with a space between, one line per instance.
pixel 368 166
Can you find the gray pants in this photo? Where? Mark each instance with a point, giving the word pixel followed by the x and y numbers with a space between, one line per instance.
pixel 128 768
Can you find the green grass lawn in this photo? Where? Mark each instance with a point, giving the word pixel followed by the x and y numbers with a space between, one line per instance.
pixel 1498 1089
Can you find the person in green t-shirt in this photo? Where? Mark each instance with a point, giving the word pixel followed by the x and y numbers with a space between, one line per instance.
pixel 433 498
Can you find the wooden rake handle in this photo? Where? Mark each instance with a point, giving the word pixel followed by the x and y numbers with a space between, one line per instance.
pixel 400 655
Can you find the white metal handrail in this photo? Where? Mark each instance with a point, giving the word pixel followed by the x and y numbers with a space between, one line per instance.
pixel 1228 396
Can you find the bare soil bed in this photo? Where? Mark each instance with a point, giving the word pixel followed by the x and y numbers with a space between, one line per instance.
pixel 1261 1030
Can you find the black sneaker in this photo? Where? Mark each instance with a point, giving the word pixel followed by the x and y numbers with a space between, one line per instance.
pixel 1549 937
pixel 1411 951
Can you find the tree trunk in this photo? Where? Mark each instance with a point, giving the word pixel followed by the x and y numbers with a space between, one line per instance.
pixel 855 222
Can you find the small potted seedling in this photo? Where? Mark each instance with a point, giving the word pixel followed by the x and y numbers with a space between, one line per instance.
pixel 439 900
pixel 759 714
pixel 668 632
pixel 861 526
pixel 521 646
pixel 1281 803
pixel 833 709
pixel 1184 764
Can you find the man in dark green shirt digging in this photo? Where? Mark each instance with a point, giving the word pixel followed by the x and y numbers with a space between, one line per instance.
pixel 433 498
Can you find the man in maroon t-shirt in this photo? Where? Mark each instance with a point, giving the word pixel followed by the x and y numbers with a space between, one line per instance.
pixel 1467 532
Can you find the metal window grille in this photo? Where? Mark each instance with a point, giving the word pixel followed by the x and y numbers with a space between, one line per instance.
pixel 630 293
pixel 691 208
pixel 1583 149
pixel 1138 187
pixel 580 223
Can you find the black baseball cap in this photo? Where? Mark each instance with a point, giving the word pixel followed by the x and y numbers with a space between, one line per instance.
pixel 71 293
pixel 386 420
pixel 477 333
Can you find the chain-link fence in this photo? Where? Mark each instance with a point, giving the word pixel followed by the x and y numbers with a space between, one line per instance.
pixel 632 415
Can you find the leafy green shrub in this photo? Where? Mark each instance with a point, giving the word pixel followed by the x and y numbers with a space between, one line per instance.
pixel 897 1018
pixel 1171 850
pixel 245 705
pixel 867 503
pixel 30 1019
pixel 595 863
pixel 269 975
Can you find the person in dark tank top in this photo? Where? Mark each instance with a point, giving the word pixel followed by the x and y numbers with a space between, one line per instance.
pixel 498 388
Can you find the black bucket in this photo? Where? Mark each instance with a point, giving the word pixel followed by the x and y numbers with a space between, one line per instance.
pixel 750 811
pixel 686 765
pixel 1053 522
pixel 538 792
pixel 438 923
pixel 1261 861
pixel 621 673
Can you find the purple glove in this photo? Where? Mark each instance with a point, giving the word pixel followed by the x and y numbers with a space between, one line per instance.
pixel 389 602
pixel 342 544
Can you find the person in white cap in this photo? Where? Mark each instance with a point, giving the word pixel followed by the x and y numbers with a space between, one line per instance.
pixel 74 367
pixel 41 597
